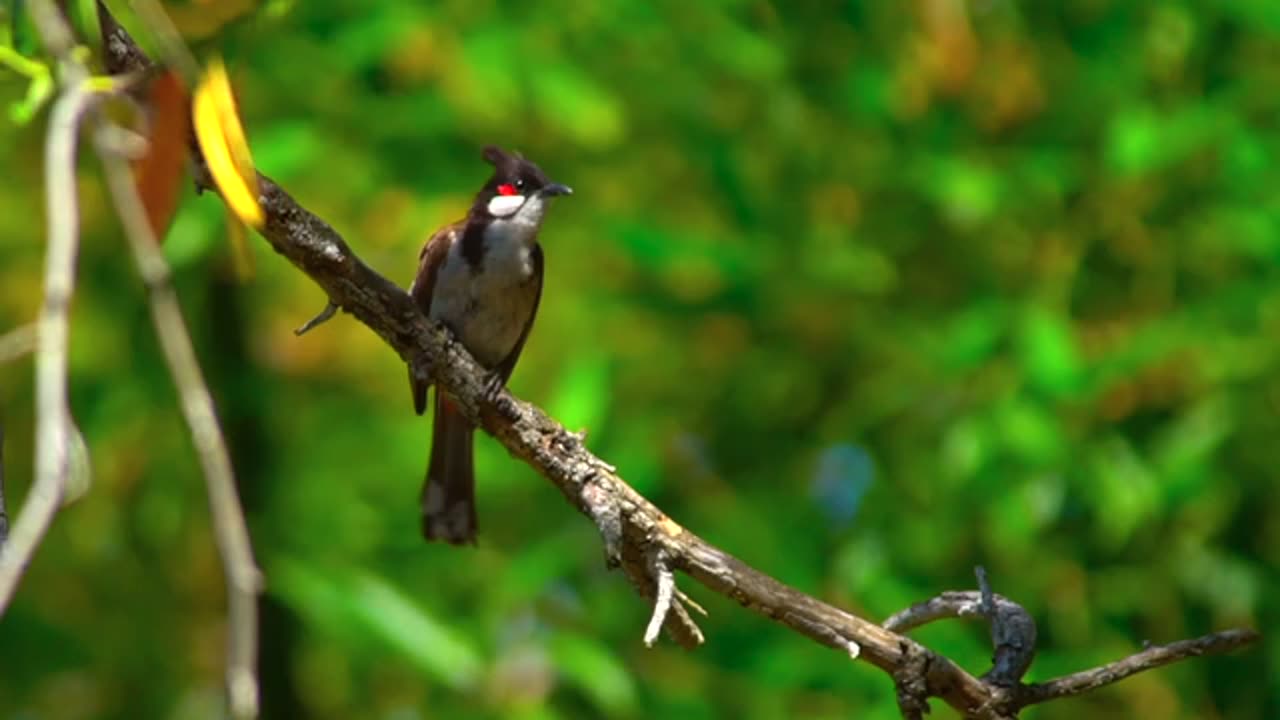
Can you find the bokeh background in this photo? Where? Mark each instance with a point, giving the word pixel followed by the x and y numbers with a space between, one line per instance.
pixel 866 293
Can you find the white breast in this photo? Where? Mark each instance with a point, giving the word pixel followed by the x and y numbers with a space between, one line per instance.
pixel 488 307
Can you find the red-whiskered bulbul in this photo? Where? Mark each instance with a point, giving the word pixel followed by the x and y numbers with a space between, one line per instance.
pixel 482 278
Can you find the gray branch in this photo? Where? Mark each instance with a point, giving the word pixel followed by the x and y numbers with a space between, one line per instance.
pixel 1150 658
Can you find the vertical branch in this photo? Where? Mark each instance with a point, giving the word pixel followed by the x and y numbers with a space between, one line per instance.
pixel 52 417
pixel 242 575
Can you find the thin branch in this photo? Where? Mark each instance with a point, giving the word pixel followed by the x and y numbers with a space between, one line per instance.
pixel 322 317
pixel 18 343
pixel 1013 635
pixel 1013 631
pixel 947 605
pixel 663 595
pixel 242 575
pixel 1152 657
pixel 53 419
pixel 988 597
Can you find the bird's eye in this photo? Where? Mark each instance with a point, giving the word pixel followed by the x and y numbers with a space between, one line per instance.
pixel 507 189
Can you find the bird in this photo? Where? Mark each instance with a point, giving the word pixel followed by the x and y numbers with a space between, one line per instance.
pixel 481 277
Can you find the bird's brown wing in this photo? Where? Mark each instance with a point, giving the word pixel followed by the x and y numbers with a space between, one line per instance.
pixel 430 260
pixel 508 363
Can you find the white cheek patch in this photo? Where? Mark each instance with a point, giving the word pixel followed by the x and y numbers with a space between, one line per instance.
pixel 504 205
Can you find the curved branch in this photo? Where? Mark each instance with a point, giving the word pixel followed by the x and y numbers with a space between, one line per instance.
pixel 1013 630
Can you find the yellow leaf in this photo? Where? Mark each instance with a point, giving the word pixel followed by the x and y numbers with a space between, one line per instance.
pixel 241 255
pixel 226 153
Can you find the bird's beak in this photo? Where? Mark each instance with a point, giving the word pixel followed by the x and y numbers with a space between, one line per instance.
pixel 553 189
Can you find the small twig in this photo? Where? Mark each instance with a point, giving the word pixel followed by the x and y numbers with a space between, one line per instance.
pixel 984 591
pixel 1013 631
pixel 53 419
pixel 690 603
pixel 328 312
pixel 604 512
pixel 665 587
pixel 1013 635
pixel 1150 658
pixel 17 343
pixel 950 604
pixel 242 575
pixel 653 581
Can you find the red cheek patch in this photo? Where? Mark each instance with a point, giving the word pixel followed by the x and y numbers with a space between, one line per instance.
pixel 506 189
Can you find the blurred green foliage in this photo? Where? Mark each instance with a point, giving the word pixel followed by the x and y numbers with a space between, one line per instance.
pixel 866 293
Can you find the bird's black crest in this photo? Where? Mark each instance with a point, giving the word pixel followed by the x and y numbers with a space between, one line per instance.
pixel 499 158
pixel 511 167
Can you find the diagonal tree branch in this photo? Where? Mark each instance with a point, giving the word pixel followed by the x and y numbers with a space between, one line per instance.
pixel 1149 659
pixel 637 535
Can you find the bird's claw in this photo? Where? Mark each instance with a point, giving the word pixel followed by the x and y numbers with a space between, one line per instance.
pixel 493 395
pixel 493 385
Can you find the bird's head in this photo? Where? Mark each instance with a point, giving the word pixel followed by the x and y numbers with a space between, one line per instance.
pixel 517 191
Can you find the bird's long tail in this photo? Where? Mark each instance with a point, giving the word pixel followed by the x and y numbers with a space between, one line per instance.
pixel 449 495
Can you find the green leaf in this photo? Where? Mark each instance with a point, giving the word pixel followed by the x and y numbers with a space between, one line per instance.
pixel 366 606
pixel 197 231
pixel 1125 491
pixel 585 111
pixel 581 399
pixel 1029 431
pixel 1048 352
pixel 404 626
pixel 84 18
pixel 39 89
pixel 589 665
pixel 966 192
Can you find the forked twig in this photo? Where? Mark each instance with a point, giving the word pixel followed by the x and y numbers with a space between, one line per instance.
pixel 321 317
pixel 664 592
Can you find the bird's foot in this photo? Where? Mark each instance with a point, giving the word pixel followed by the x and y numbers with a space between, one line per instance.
pixel 502 403
pixel 493 384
